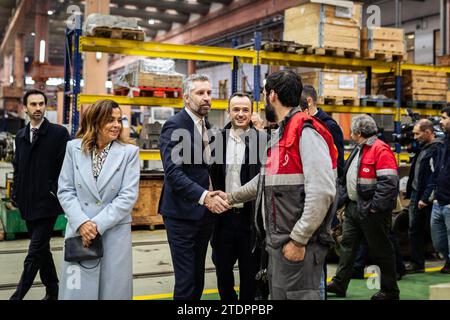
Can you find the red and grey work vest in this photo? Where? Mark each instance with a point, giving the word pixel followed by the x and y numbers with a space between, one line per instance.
pixel 284 190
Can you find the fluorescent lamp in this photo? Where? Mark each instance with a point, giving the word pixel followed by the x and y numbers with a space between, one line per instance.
pixel 42 51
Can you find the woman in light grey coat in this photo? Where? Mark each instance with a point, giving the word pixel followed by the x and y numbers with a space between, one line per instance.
pixel 97 188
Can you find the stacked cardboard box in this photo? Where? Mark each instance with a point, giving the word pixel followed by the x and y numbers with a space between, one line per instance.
pixel 324 26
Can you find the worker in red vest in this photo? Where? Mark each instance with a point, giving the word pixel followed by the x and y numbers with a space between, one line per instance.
pixel 369 189
pixel 294 192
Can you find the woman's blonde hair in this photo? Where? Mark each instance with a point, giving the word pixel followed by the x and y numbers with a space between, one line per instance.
pixel 94 119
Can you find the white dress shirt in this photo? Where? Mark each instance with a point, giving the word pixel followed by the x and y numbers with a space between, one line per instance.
pixel 234 159
pixel 198 122
pixel 37 127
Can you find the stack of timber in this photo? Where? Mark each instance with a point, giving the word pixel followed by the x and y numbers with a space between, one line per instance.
pixel 425 89
pixel 334 87
pixel 387 44
pixel 445 61
pixel 420 89
pixel 329 30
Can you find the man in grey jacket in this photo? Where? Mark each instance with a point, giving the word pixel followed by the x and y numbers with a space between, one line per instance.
pixel 295 190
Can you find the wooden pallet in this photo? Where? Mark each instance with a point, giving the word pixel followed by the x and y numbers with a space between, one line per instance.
pixel 283 46
pixel 338 101
pixel 150 92
pixel 384 56
pixel 373 102
pixel 335 52
pixel 437 105
pixel 118 33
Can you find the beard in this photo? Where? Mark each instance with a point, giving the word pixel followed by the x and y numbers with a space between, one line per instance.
pixel 270 112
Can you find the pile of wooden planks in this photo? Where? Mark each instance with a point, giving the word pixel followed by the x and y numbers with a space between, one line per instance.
pixel 334 87
pixel 425 85
pixel 387 44
pixel 329 30
pixel 420 89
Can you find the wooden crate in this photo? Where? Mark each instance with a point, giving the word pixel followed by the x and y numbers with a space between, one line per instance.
pixel 443 60
pixel 11 92
pixel 425 86
pixel 416 85
pixel 334 87
pixel 145 211
pixel 448 96
pixel 140 79
pixel 383 44
pixel 323 26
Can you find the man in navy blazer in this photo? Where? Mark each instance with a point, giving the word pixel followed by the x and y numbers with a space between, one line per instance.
pixel 187 202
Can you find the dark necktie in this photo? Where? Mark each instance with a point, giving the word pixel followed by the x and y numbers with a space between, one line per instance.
pixel 34 132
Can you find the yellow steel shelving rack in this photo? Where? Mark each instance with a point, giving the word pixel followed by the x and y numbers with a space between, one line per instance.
pixel 227 55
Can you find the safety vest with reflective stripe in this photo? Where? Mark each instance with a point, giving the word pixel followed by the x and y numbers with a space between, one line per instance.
pixel 377 184
pixel 284 192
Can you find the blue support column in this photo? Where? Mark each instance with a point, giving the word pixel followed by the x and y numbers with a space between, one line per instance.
pixel 398 95
pixel 67 74
pixel 257 71
pixel 235 69
pixel 77 65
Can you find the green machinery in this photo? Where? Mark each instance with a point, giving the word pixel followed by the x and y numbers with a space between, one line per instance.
pixel 13 223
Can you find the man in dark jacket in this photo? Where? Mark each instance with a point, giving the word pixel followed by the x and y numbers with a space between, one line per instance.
pixel 440 214
pixel 420 189
pixel 40 150
pixel 234 237
pixel 369 189
pixel 308 103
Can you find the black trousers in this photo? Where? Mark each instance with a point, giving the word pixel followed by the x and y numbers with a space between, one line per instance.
pixel 375 229
pixel 231 243
pixel 188 241
pixel 39 258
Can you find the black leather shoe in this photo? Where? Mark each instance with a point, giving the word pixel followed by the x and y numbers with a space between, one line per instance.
pixel 381 295
pixel 332 288
pixel 358 274
pixel 414 268
pixel 446 268
pixel 50 297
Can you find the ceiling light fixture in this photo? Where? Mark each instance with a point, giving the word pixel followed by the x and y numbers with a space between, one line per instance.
pixel 151 21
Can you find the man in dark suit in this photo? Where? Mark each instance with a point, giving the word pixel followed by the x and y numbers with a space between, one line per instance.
pixel 40 150
pixel 234 234
pixel 187 199
pixel 308 103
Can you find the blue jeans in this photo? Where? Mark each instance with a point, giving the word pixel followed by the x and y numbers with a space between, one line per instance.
pixel 440 229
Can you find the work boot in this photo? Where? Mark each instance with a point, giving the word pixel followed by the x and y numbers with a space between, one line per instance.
pixel 333 288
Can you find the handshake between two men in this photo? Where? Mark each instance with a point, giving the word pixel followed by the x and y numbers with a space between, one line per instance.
pixel 217 202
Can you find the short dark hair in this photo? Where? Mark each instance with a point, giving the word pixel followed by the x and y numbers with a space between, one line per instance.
pixel 446 110
pixel 241 95
pixel 33 91
pixel 308 92
pixel 287 85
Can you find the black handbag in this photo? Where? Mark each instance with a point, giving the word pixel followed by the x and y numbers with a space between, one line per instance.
pixel 74 251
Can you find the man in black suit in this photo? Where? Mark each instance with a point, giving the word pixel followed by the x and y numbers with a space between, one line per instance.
pixel 40 150
pixel 308 103
pixel 187 200
pixel 234 237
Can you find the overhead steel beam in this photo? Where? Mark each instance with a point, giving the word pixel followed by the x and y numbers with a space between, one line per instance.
pixel 233 17
pixel 218 1
pixel 165 17
pixel 181 6
pixel 16 24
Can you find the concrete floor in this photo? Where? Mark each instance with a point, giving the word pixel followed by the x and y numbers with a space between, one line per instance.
pixel 147 260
